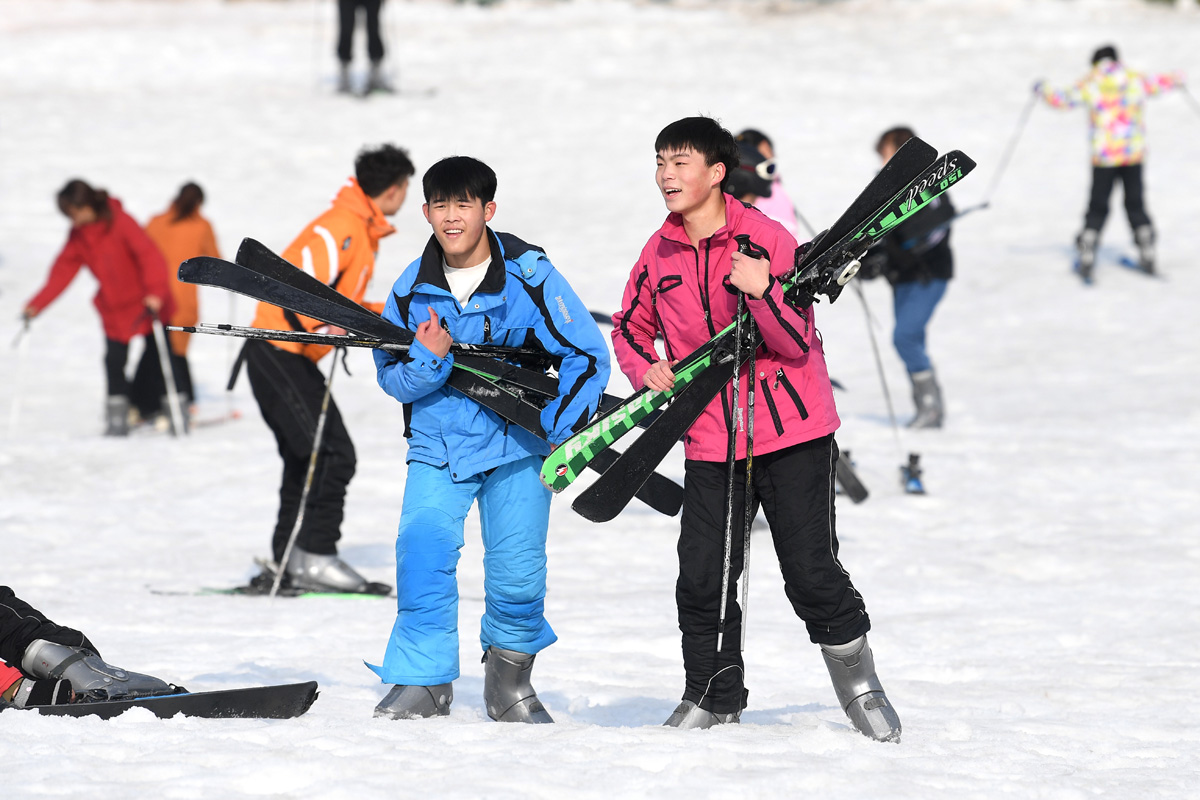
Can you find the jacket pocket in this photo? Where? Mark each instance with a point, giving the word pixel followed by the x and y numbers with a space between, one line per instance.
pixel 665 284
pixel 781 380
pixel 766 387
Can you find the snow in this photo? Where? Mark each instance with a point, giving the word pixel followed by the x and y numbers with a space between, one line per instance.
pixel 1035 615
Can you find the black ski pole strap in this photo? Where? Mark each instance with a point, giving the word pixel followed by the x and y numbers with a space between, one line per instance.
pixel 237 367
pixel 341 351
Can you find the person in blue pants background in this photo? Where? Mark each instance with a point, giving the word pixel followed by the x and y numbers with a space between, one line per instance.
pixel 917 261
pixel 474 286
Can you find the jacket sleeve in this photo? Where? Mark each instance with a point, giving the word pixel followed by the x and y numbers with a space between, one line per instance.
pixel 409 377
pixel 565 329
pixel 151 265
pixel 62 272
pixel 1154 84
pixel 635 325
pixel 785 329
pixel 208 243
pixel 1063 98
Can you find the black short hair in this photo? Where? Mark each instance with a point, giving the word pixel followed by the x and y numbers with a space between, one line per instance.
pixel 754 138
pixel 1108 51
pixel 459 178
pixel 382 168
pixel 895 137
pixel 704 135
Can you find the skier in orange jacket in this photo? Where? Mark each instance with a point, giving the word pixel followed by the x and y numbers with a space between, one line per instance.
pixel 182 233
pixel 338 248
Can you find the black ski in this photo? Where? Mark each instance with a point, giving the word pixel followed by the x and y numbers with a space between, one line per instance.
pixel 821 268
pixel 259 702
pixel 848 480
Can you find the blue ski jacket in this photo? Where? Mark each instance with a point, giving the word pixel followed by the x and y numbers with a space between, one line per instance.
pixel 523 301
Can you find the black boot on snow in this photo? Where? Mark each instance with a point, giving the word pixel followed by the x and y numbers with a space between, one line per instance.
pixel 507 692
pixel 1143 237
pixel 414 702
pixel 859 692
pixel 90 677
pixel 1086 244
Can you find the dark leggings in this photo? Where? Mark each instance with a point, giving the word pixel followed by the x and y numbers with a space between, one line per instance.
pixel 21 624
pixel 1103 179
pixel 347 11
pixel 147 388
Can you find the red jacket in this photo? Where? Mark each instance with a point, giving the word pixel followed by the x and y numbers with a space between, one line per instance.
pixel 678 293
pixel 128 266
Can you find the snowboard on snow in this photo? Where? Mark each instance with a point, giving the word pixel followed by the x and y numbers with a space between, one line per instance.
pixel 283 701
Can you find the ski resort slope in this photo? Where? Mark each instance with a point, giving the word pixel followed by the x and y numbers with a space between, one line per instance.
pixel 1036 619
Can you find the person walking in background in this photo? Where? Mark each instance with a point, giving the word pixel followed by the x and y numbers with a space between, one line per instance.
pixel 749 182
pixel 133 286
pixel 339 249
pixel 347 18
pixel 182 233
pixel 1115 97
pixel 917 261
pixel 776 203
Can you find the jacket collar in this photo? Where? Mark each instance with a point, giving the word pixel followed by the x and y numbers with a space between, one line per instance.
pixel 673 229
pixel 352 198
pixel 432 273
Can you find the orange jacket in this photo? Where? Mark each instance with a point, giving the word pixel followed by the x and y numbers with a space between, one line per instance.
pixel 338 248
pixel 180 240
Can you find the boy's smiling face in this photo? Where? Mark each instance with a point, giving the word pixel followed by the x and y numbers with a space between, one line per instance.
pixel 685 180
pixel 460 226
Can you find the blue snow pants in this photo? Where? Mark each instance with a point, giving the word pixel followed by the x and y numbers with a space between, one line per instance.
pixel 914 304
pixel 514 511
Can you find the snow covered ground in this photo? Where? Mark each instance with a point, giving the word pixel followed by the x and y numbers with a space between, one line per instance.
pixel 1036 615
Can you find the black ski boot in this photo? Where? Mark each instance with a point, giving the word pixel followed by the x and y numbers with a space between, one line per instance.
pixel 415 702
pixel 507 692
pixel 859 692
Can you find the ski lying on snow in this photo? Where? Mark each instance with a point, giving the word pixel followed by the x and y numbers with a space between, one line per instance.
pixel 283 701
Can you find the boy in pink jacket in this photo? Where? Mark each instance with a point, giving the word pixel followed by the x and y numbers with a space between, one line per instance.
pixel 683 288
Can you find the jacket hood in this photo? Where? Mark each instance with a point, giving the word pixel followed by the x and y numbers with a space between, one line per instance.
pixel 352 198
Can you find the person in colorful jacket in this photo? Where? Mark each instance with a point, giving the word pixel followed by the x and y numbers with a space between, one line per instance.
pixel 133 286
pixel 475 286
pixel 1115 98
pixel 181 232
pixel 339 249
pixel 48 664
pixel 683 288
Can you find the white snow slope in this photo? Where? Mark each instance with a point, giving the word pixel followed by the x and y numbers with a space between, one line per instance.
pixel 1036 615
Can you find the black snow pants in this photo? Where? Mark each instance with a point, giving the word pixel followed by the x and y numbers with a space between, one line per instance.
pixel 794 488
pixel 146 390
pixel 289 389
pixel 347 13
pixel 21 624
pixel 1103 179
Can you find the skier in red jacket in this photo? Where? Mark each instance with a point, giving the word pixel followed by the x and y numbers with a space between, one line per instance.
pixel 134 286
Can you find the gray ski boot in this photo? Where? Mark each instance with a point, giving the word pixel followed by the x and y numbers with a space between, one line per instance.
pixel 928 398
pixel 415 702
pixel 90 677
pixel 322 573
pixel 852 668
pixel 377 81
pixel 689 715
pixel 507 692
pixel 1144 238
pixel 343 84
pixel 1086 243
pixel 116 415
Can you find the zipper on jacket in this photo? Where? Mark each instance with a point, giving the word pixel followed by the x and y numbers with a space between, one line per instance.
pixel 487 329
pixel 766 386
pixel 654 293
pixel 780 378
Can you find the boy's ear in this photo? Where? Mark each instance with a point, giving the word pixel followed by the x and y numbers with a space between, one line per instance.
pixel 425 211
pixel 718 173
pixel 489 211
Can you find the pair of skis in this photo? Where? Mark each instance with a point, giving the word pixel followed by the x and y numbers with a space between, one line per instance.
pixel 905 185
pixel 516 393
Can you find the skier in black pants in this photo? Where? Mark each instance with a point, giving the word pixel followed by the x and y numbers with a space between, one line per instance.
pixel 347 16
pixel 49 664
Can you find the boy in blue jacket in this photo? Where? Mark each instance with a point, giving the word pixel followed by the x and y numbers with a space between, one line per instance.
pixel 475 286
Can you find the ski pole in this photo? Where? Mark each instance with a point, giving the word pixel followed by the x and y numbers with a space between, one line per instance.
pixel 748 511
pixel 168 374
pixel 887 395
pixel 731 462
pixel 1008 151
pixel 21 344
pixel 308 479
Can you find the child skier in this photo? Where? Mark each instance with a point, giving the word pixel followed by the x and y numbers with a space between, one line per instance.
pixel 776 203
pixel 475 286
pixel 1115 97
pixel 680 289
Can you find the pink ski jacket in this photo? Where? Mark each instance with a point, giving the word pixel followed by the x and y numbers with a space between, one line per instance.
pixel 678 292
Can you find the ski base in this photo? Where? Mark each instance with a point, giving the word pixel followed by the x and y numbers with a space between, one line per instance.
pixel 283 701
pixel 847 480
